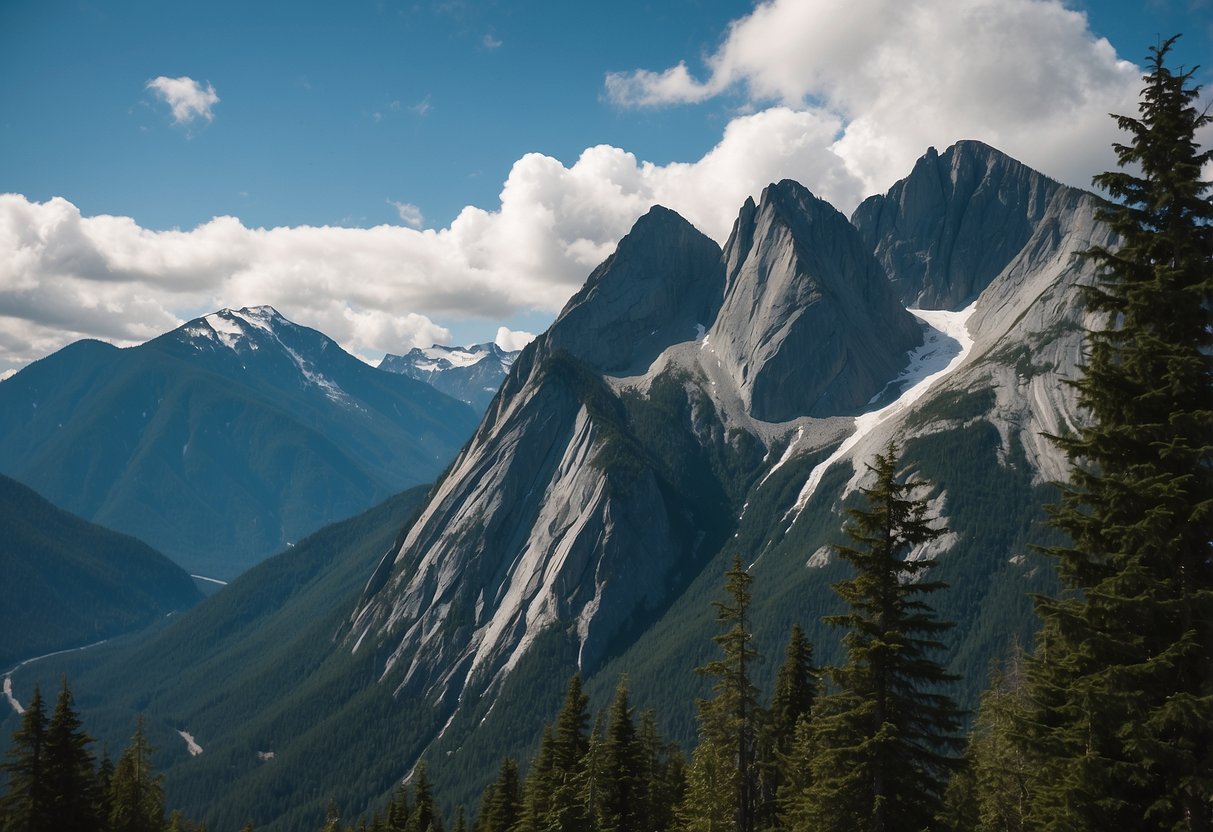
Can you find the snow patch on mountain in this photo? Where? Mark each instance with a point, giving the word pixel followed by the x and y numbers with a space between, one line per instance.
pixel 946 345
pixel 190 744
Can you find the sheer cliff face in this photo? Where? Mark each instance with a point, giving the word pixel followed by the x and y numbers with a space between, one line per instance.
pixel 949 228
pixel 810 325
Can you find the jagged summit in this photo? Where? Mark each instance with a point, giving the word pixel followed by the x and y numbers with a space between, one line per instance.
pixel 809 325
pixel 663 281
pixel 948 229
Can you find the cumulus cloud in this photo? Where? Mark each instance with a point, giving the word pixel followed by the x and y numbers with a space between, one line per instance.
pixel 409 213
pixel 187 98
pixel 1026 76
pixel 510 339
pixel 65 276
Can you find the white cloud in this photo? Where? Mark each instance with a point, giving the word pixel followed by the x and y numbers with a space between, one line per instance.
pixel 1026 76
pixel 187 98
pixel 510 340
pixel 490 42
pixel 409 213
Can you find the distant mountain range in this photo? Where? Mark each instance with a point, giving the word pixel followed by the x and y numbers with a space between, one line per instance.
pixel 225 440
pixel 68 582
pixel 689 404
pixel 471 374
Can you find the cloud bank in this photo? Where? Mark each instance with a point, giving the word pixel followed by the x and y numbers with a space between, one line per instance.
pixel 842 96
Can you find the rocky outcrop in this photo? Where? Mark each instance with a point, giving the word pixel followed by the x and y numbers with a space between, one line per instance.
pixel 948 229
pixel 809 325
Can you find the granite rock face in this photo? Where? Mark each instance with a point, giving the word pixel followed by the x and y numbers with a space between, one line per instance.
pixel 810 325
pixel 948 229
pixel 663 281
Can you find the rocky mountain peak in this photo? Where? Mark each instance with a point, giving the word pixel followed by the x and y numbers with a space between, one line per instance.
pixel 664 280
pixel 948 229
pixel 809 324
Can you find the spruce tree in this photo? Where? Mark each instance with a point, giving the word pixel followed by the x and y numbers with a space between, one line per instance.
pixel 505 800
pixel 27 804
pixel 621 800
pixel 569 806
pixel 539 786
pixel 70 779
pixel 1123 672
pixel 882 739
pixel 999 767
pixel 136 791
pixel 729 722
pixel 792 699
pixel 423 817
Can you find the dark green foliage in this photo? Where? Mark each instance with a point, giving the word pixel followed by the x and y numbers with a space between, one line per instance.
pixel 880 739
pixel 999 767
pixel 25 807
pixel 792 700
pixel 68 582
pixel 502 804
pixel 723 770
pixel 621 798
pixel 1123 672
pixel 137 791
pixel 68 769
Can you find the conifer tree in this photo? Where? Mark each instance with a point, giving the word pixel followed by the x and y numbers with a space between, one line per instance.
pixel 423 817
pixel 569 807
pixel 136 792
pixel 539 786
pixel 795 690
pixel 27 804
pixel 398 809
pixel 102 795
pixel 622 797
pixel 881 739
pixel 68 770
pixel 663 771
pixel 723 766
pixel 505 800
pixel 1123 672
pixel 999 767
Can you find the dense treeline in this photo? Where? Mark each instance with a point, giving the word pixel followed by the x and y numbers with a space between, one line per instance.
pixel 1106 724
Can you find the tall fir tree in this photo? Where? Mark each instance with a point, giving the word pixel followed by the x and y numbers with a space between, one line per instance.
pixel 26 806
pixel 504 803
pixel 68 771
pixel 882 740
pixel 792 699
pixel 999 766
pixel 569 806
pixel 136 791
pixel 729 723
pixel 1123 672
pixel 621 800
pixel 424 816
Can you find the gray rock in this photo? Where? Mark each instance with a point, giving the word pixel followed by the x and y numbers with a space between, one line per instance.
pixel 949 228
pixel 809 325
pixel 663 280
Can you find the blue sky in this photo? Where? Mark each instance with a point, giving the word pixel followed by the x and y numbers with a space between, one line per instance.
pixel 401 114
